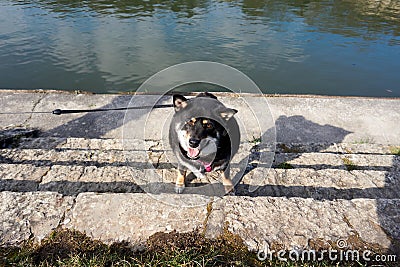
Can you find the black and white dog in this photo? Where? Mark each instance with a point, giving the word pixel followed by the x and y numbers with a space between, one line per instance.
pixel 204 136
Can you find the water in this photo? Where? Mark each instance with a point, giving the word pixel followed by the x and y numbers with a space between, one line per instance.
pixel 298 47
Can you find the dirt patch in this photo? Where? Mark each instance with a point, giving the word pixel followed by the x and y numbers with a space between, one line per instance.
pixel 71 248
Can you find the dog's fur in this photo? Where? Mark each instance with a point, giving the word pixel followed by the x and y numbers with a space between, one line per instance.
pixel 204 136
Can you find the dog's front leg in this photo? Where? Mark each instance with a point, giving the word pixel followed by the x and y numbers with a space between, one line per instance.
pixel 198 172
pixel 180 181
pixel 227 182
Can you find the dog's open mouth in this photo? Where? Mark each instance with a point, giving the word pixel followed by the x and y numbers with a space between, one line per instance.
pixel 193 152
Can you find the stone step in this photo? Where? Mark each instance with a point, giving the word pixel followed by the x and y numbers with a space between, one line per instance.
pixel 320 161
pixel 98 157
pixel 117 144
pixel 101 151
pixel 327 183
pixel 74 165
pixel 314 194
pixel 276 222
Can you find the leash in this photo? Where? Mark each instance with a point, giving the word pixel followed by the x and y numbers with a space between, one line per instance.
pixel 70 111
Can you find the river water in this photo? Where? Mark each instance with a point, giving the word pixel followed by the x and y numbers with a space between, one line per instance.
pixel 323 47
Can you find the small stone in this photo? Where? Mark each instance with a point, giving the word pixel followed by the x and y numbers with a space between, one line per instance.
pixel 66 221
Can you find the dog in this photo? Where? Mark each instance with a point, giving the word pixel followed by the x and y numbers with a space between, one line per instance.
pixel 204 136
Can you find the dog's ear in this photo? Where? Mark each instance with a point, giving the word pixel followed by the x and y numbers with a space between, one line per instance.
pixel 180 102
pixel 206 94
pixel 228 113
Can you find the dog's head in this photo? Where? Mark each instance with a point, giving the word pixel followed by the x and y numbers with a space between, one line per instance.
pixel 201 124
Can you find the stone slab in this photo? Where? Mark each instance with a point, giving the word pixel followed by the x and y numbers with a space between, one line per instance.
pixel 336 119
pixel 133 217
pixel 296 223
pixel 295 119
pixel 15 102
pixel 30 215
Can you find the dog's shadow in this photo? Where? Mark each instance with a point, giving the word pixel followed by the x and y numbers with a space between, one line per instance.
pixel 289 131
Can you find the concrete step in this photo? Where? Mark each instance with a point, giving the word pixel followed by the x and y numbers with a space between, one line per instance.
pixel 117 144
pixel 72 180
pixel 111 151
pixel 276 222
pixel 75 165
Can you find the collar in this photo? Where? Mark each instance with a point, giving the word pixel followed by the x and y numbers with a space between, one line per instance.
pixel 207 165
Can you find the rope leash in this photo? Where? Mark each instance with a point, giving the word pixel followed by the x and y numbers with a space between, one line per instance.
pixel 70 111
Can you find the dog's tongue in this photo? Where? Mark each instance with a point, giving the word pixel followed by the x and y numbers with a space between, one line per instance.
pixel 193 152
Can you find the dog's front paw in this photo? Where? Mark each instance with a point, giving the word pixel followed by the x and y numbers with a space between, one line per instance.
pixel 199 174
pixel 179 188
pixel 229 190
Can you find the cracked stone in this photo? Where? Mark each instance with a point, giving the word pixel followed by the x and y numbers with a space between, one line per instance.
pixel 133 217
pixel 32 214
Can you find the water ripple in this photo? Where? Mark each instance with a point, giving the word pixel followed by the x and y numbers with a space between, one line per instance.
pixel 322 46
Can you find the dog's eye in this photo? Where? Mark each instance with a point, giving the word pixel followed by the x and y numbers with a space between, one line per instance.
pixel 208 125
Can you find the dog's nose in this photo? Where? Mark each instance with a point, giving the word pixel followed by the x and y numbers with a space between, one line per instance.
pixel 193 142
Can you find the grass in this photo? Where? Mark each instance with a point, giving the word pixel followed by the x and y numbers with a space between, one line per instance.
pixel 285 165
pixel 365 140
pixel 255 140
pixel 350 165
pixel 287 149
pixel 71 248
pixel 395 150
